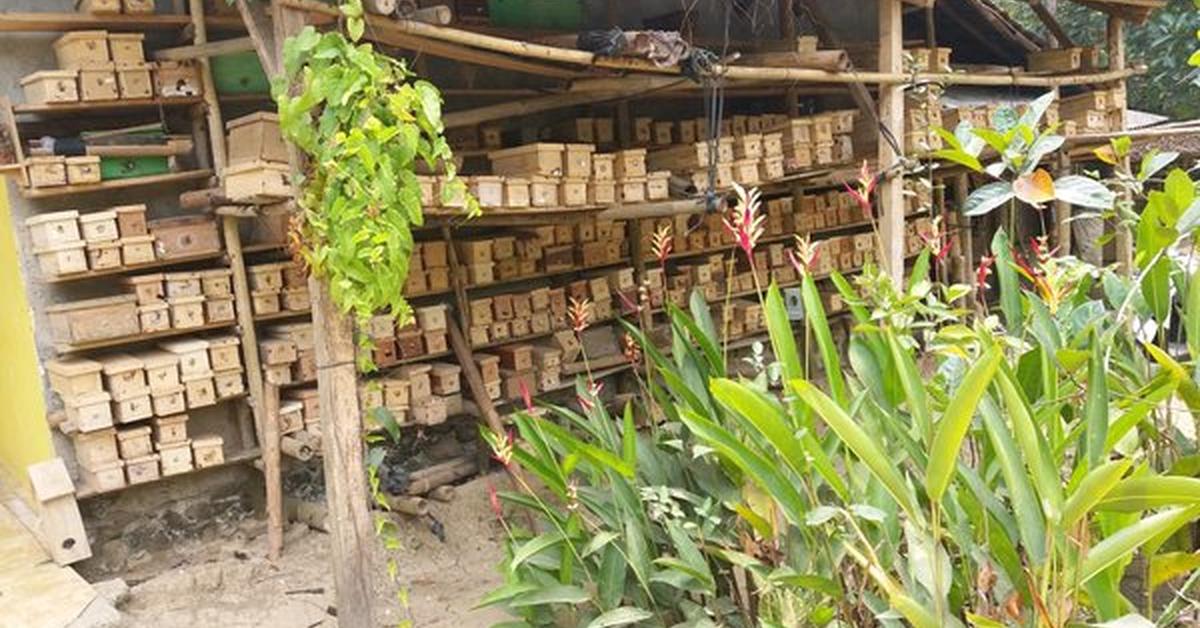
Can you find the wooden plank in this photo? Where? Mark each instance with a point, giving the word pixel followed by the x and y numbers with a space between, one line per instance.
pixel 139 338
pixel 471 55
pixel 262 34
pixel 117 184
pixel 249 455
pixel 205 50
pixel 168 263
pixel 130 104
pixel 1116 61
pixel 34 22
pixel 891 118
pixel 273 475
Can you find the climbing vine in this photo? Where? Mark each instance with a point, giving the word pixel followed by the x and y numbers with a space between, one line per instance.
pixel 363 120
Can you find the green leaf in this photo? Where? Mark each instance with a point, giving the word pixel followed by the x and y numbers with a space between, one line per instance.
pixel 1095 407
pixel 913 385
pixel 1156 289
pixel 1125 541
pixel 506 593
pixel 783 340
pixel 1171 565
pixel 1020 488
pixel 533 547
pixel 1191 315
pixel 862 444
pixel 767 418
pixel 555 594
pixel 1154 161
pixel 1036 110
pixel 762 471
pixel 986 198
pixel 1010 284
pixel 959 156
pixel 1084 192
pixel 622 616
pixel 1037 459
pixel 953 426
pixel 1151 491
pixel 814 312
pixel 597 542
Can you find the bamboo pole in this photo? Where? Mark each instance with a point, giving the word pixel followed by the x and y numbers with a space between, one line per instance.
pixel 557 54
pixel 891 117
pixel 1116 61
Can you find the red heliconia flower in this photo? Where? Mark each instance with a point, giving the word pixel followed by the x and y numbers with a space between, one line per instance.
pixel 744 222
pixel 662 243
pixel 494 500
pixel 865 190
pixel 1041 250
pixel 633 352
pixel 804 256
pixel 579 312
pixel 525 396
pixel 936 239
pixel 983 272
pixel 593 392
pixel 503 448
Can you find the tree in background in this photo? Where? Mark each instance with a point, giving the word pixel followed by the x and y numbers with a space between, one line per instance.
pixel 1163 43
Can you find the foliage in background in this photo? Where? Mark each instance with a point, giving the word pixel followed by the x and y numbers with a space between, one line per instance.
pixel 363 120
pixel 1163 43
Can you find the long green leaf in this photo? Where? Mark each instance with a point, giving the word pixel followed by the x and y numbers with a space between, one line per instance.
pixel 783 340
pixel 768 419
pixel 863 446
pixel 814 312
pixel 914 387
pixel 622 616
pixel 533 547
pixel 1092 488
pixel 953 426
pixel 556 594
pixel 1125 541
pixel 1010 284
pixel 761 470
pixel 1095 406
pixel 1045 477
pixel 1151 491
pixel 1020 488
pixel 1191 315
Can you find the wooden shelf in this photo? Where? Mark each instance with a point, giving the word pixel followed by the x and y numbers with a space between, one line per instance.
pixel 526 216
pixel 90 107
pixel 248 455
pixel 48 22
pixel 281 315
pixel 129 340
pixel 116 184
pixel 623 262
pixel 109 272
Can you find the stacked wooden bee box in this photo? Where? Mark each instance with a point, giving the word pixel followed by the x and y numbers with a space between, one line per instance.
pixel 277 287
pixel 257 170
pixel 416 394
pixel 1096 111
pixel 428 269
pixel 287 354
pixel 425 335
pixel 107 401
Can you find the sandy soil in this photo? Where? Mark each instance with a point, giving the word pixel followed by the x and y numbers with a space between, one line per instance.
pixel 229 582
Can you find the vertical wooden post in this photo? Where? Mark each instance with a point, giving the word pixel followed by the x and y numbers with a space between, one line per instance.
pixel 1062 212
pixel 269 448
pixel 270 452
pixel 1116 61
pixel 787 22
pixel 458 279
pixel 346 494
pixel 891 117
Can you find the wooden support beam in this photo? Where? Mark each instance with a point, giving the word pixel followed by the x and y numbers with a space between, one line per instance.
pixel 206 50
pixel 1062 211
pixel 1043 12
pixel 891 118
pixel 531 50
pixel 1123 242
pixel 262 35
pixel 352 537
pixel 465 54
pixel 475 386
pixel 269 441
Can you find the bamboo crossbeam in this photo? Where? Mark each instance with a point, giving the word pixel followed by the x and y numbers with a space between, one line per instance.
pixel 734 73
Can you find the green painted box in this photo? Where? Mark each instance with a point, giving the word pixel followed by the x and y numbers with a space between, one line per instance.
pixel 129 167
pixel 239 73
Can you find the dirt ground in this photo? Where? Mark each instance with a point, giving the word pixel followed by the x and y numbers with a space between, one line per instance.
pixel 228 581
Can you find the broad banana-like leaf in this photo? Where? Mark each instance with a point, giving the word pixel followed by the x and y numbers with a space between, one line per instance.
pixel 953 426
pixel 1032 444
pixel 1020 488
pixel 1091 489
pixel 1125 541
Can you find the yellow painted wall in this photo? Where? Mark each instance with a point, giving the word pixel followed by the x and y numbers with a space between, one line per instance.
pixel 24 433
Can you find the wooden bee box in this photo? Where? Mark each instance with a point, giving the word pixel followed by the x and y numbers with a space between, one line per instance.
pixel 96 448
pixel 445 379
pixel 93 319
pixel 45 172
pixel 177 79
pixel 98 83
pixel 137 250
pixel 255 138
pixel 134 80
pixel 545 159
pixel 83 49
pixel 184 236
pixel 170 401
pixel 83 169
pixel 629 163
pixel 89 411
pixel 175 458
pixel 228 383
pixel 62 259
pixel 208 451
pixel 51 86
pixel 199 389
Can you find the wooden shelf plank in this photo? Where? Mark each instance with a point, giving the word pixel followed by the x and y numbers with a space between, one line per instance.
pixel 528 216
pixel 623 262
pixel 123 270
pixel 281 315
pixel 128 340
pixel 248 455
pixel 117 184
pixel 48 22
pixel 133 104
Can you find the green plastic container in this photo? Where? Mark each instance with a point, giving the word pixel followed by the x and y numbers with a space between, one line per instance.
pixel 240 73
pixel 112 168
pixel 550 14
